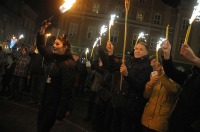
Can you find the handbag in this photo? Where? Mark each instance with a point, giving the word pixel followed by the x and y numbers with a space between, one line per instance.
pixel 104 93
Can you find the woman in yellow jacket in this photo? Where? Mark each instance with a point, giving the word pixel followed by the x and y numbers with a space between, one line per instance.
pixel 162 93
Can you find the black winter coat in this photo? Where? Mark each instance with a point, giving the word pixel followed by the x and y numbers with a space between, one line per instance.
pixel 133 85
pixel 186 113
pixel 58 92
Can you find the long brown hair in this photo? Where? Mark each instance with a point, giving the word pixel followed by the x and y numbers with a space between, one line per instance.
pixel 65 42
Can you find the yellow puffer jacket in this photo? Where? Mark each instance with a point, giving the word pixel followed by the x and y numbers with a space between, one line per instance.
pixel 162 97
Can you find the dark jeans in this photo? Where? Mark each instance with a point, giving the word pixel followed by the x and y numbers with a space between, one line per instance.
pixel 46 118
pixel 99 115
pixel 108 118
pixel 124 121
pixel 1 78
pixel 91 104
pixel 5 82
pixel 37 87
pixel 48 110
pixel 17 86
pixel 145 129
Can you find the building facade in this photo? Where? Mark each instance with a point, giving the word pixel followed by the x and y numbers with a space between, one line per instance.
pixel 17 18
pixel 82 24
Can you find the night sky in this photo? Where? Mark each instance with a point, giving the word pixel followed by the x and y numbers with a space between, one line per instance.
pixel 45 8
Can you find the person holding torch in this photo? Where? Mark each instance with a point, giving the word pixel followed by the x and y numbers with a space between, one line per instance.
pixel 60 76
pixel 128 102
pixel 161 93
pixel 186 116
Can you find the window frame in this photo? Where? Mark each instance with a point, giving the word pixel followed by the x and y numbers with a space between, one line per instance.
pixel 73 28
pixel 157 20
pixel 140 18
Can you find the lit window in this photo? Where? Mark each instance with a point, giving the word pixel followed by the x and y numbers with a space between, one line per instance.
pixel 114 36
pixel 92 32
pixel 157 18
pixel 73 29
pixel 96 8
pixel 185 23
pixel 140 15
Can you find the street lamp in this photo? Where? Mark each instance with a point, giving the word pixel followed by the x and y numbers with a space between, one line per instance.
pixel 14 40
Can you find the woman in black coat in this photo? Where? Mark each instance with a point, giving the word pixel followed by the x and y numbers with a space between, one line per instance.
pixel 59 81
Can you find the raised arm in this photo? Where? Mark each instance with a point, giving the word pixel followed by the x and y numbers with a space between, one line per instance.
pixel 169 67
pixel 40 42
pixel 188 53
pixel 112 65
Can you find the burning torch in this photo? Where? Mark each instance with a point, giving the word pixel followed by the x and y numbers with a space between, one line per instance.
pixel 195 14
pixel 62 9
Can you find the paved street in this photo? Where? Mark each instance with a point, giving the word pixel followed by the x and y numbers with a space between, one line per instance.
pixel 20 117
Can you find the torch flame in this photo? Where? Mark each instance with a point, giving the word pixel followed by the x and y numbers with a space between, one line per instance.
pixel 103 30
pixel 158 46
pixel 95 43
pixel 112 18
pixel 196 12
pixel 67 5
pixel 86 51
pixel 141 35
pixel 195 15
pixel 21 36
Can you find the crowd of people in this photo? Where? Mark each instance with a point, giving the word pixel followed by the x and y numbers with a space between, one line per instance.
pixel 143 94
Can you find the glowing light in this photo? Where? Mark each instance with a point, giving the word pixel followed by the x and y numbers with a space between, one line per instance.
pixel 95 43
pixel 160 41
pixel 21 36
pixel 103 30
pixel 141 35
pixel 112 19
pixel 158 46
pixel 86 51
pixel 196 12
pixel 48 35
pixel 13 41
pixel 67 5
pixel 195 15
